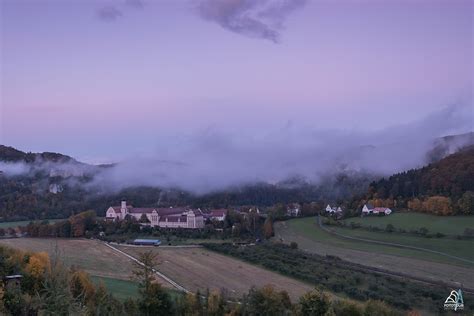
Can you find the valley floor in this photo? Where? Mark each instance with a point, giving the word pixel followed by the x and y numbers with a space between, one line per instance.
pixel 310 237
pixel 193 268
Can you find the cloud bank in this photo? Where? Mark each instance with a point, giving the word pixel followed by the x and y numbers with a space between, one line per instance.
pixel 259 19
pixel 215 159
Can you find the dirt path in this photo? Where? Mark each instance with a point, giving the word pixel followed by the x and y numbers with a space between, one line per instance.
pixel 415 267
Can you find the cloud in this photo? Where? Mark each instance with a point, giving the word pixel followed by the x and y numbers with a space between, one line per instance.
pixel 215 159
pixel 259 19
pixel 109 13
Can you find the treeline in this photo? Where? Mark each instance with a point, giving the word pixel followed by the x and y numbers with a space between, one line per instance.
pixel 340 277
pixel 445 187
pixel 84 224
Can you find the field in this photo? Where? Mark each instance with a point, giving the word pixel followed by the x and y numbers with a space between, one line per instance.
pixel 193 268
pixel 448 225
pixel 310 237
pixel 121 289
pixel 90 255
pixel 199 269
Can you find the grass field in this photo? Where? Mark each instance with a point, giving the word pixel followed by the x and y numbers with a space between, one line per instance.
pixel 448 225
pixel 199 269
pixel 22 223
pixel 460 248
pixel 121 289
pixel 310 237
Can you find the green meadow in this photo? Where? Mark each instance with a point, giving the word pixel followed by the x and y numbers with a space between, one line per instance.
pixel 448 225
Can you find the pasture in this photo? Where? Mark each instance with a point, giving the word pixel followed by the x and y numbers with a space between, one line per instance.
pixel 310 237
pixel 199 269
pixel 448 225
pixel 121 289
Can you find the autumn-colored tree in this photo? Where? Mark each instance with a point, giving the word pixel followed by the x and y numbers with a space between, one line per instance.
pixel 268 228
pixel 215 304
pixel 82 287
pixel 466 203
pixel 415 205
pixel 38 264
pixel 81 222
pixel 439 205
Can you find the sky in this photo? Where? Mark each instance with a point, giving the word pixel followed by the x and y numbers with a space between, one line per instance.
pixel 104 81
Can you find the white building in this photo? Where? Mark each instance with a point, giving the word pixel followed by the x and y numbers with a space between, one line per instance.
pixel 369 209
pixel 218 215
pixel 162 217
pixel 293 210
pixel 334 209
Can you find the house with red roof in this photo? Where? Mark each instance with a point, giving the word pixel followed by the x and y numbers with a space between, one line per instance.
pixel 369 209
pixel 173 217
pixel 218 214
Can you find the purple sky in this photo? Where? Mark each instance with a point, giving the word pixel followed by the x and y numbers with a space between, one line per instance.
pixel 102 80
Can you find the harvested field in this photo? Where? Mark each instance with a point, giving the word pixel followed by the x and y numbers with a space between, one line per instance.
pixel 91 256
pixel 397 260
pixel 199 269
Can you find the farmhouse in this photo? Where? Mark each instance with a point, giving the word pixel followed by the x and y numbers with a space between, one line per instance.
pixel 177 217
pixel 333 210
pixel 369 209
pixel 217 215
pixel 293 210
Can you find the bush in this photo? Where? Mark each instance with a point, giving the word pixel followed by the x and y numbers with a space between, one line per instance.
pixel 293 245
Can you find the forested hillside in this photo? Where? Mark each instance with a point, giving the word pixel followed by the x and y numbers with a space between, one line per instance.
pixel 445 187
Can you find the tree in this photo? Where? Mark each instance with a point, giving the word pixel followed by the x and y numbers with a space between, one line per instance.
pixel 390 228
pixel 466 203
pixel 268 228
pixel 144 219
pixel 314 303
pixel 267 302
pixel 215 304
pixel 154 300
pixel 56 297
pixel 378 308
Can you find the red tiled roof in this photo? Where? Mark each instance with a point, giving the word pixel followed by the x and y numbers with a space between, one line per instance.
pixel 218 212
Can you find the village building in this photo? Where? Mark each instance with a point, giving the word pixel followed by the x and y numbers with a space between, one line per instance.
pixel 173 217
pixel 369 209
pixel 333 210
pixel 217 215
pixel 293 210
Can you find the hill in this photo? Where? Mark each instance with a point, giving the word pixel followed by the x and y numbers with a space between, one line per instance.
pixel 444 187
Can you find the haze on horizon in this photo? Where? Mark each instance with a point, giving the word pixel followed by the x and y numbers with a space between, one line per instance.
pixel 105 81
